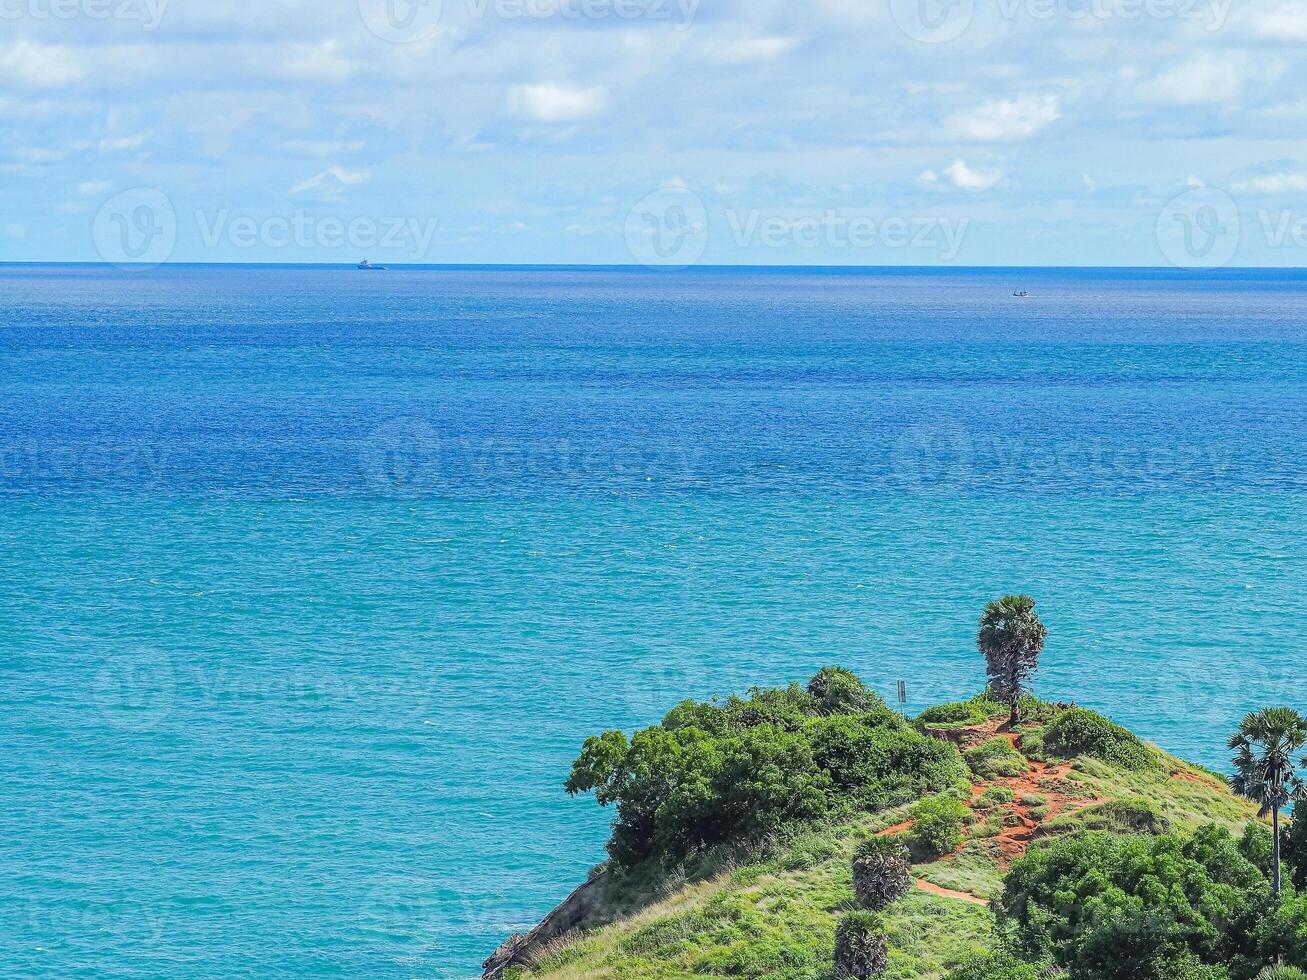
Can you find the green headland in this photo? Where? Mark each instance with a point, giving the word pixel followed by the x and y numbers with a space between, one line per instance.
pixel 811 832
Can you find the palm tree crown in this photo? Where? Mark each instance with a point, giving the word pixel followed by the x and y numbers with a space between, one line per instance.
pixel 1011 638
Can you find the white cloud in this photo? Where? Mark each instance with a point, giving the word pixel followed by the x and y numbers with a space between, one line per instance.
pixel 1000 120
pixel 331 183
pixel 1201 80
pixel 39 65
pixel 743 50
pixel 550 103
pixel 316 63
pixel 1288 183
pixel 93 188
pixel 1281 22
pixel 116 144
pixel 321 148
pixel 960 175
pixel 964 178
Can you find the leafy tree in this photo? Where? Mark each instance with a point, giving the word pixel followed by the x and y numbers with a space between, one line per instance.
pixel 839 691
pixel 1265 772
pixel 881 873
pixel 861 947
pixel 1011 638
pixel 745 768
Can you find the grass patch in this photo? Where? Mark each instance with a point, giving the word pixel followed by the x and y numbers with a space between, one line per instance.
pixel 976 869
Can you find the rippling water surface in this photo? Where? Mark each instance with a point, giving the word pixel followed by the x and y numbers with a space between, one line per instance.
pixel 314 580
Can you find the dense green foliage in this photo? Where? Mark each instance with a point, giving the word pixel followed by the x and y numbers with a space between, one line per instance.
pixel 1011 637
pixel 714 773
pixel 881 872
pixel 1080 731
pixel 995 966
pixel 861 947
pixel 1295 843
pixel 994 758
pixel 937 826
pixel 1152 908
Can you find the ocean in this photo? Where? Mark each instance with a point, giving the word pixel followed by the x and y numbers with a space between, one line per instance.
pixel 314 579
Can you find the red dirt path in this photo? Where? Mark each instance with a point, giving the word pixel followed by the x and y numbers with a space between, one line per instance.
pixel 1041 778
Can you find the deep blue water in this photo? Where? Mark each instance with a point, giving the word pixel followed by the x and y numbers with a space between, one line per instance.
pixel 314 580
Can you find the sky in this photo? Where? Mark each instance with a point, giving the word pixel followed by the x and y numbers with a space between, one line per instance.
pixel 662 132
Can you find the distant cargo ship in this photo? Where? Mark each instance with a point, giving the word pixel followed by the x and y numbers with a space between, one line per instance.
pixel 365 264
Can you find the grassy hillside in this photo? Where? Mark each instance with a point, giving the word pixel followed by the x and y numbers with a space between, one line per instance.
pixel 772 911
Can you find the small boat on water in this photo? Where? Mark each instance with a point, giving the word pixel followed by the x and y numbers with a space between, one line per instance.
pixel 1020 295
pixel 365 264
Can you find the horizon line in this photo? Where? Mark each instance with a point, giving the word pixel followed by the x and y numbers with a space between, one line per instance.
pixel 661 270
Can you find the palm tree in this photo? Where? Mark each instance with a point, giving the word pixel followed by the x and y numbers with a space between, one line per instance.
pixel 1264 771
pixel 1011 638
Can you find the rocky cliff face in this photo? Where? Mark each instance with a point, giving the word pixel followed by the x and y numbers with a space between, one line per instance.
pixel 575 911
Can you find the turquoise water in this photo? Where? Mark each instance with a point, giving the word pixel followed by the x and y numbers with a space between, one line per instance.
pixel 314 582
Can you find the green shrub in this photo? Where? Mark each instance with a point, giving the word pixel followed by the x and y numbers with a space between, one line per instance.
pixel 1105 907
pixel 1080 731
pixel 839 691
pixel 937 826
pixel 881 872
pixel 861 948
pixel 1282 973
pixel 994 796
pixel 994 966
pixel 995 758
pixel 714 774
